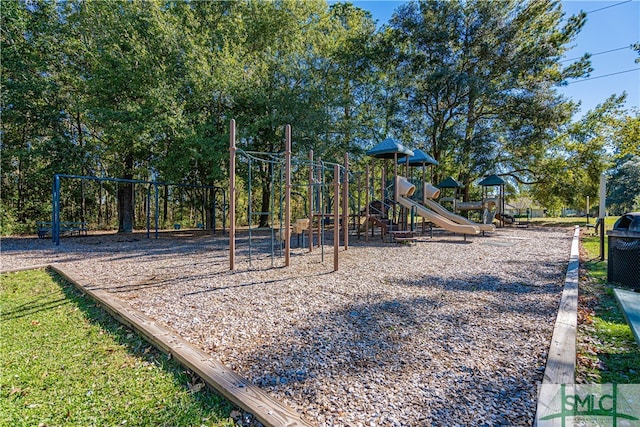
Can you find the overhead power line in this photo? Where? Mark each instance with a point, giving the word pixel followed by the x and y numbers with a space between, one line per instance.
pixel 603 8
pixel 598 53
pixel 607 7
pixel 604 75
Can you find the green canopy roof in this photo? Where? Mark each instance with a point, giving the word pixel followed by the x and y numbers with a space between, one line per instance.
pixel 388 148
pixel 419 158
pixel 449 183
pixel 492 180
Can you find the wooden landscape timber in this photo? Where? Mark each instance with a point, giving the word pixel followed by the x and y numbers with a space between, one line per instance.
pixel 233 387
pixel 561 359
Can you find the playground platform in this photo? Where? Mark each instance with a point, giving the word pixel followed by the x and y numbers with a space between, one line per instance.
pixel 630 303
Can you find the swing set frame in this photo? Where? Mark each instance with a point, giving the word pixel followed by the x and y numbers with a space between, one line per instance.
pixel 56 193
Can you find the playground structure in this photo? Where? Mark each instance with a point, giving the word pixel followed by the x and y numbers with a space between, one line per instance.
pixel 395 215
pixel 317 202
pixel 320 209
pixel 439 216
pixel 489 207
pixel 57 226
pixel 328 205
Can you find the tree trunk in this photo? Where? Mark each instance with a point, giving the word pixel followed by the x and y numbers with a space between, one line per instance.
pixel 267 187
pixel 125 200
pixel 125 207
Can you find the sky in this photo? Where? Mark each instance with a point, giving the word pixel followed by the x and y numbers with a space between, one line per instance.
pixel 611 25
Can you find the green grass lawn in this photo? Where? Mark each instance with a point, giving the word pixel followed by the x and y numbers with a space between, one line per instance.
pixel 65 361
pixel 569 221
pixel 607 351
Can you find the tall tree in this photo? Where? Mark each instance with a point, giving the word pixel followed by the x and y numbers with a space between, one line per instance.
pixel 35 136
pixel 295 59
pixel 347 79
pixel 571 169
pixel 626 139
pixel 624 186
pixel 480 80
pixel 126 58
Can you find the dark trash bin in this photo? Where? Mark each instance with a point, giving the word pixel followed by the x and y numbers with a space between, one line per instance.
pixel 624 251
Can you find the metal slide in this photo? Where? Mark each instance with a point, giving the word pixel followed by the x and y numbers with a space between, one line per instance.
pixel 438 219
pixel 438 208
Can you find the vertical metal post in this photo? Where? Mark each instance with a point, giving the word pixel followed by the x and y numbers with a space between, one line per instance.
pixel 287 196
pixel 424 181
pixel 383 180
pixel 345 203
pixel 55 214
pixel 321 206
pixel 336 215
pixel 157 217
pixel 232 194
pixel 149 212
pixel 403 210
pixel 503 202
pixel 359 204
pixel 214 206
pixel 366 205
pixel 395 187
pixel 602 211
pixel 272 205
pixel 311 204
pixel 250 209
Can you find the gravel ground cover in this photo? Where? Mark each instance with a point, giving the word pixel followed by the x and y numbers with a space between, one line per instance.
pixel 442 332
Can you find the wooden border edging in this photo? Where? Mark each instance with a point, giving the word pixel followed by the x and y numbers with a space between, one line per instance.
pixel 561 358
pixel 236 389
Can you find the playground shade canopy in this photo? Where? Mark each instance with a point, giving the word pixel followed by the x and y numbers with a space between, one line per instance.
pixel 449 183
pixel 492 180
pixel 388 149
pixel 419 158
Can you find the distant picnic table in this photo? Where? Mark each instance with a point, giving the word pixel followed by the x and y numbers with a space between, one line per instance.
pixel 67 228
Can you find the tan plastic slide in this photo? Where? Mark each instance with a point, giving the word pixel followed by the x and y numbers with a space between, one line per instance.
pixel 438 208
pixel 437 219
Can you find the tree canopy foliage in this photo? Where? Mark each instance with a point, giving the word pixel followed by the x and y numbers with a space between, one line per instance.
pixel 145 90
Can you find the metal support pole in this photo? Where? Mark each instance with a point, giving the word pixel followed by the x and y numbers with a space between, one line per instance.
pixel 55 215
pixel 250 208
pixel 311 204
pixel 424 181
pixel 602 212
pixel 271 214
pixel 232 194
pixel 336 215
pixel 287 197
pixel 366 205
pixel 157 218
pixel 383 180
pixel 345 203
pixel 359 213
pixel 395 187
pixel 214 208
pixel 321 206
pixel 148 212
